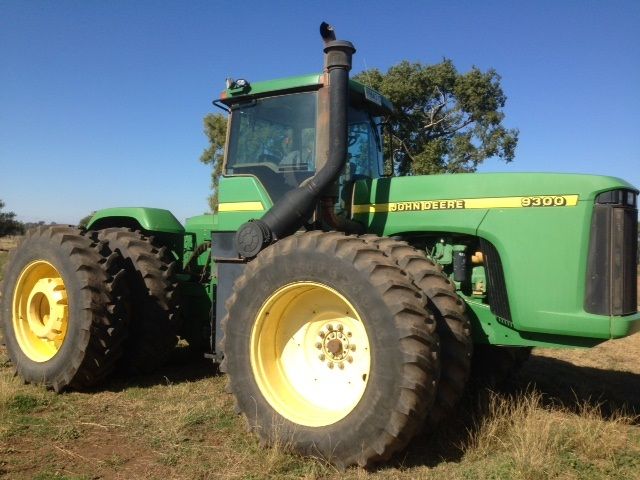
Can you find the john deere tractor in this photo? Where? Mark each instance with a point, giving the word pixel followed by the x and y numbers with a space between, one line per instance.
pixel 347 308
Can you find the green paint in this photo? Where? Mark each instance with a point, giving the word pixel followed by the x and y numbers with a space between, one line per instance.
pixel 274 87
pixel 543 249
pixel 487 328
pixel 478 281
pixel 149 219
pixel 625 326
pixel 198 231
pixel 376 103
pixel 443 253
pixel 239 189
pixel 201 226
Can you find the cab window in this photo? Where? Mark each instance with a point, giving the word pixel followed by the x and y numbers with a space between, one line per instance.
pixel 274 139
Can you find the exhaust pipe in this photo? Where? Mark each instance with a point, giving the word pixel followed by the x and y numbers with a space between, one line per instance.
pixel 287 215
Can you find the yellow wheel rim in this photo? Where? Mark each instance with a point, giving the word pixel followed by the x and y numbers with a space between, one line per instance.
pixel 40 311
pixel 310 354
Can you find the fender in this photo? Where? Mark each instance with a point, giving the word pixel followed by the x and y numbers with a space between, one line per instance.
pixel 142 218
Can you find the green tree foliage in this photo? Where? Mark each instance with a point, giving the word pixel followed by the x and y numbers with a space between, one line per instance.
pixel 8 224
pixel 445 121
pixel 215 128
pixel 84 221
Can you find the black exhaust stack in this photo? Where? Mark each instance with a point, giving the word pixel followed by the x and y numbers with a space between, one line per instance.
pixel 286 216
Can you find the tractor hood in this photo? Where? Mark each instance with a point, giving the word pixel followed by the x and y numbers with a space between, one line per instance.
pixel 446 201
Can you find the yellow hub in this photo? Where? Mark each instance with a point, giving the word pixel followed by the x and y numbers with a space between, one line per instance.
pixel 310 354
pixel 40 311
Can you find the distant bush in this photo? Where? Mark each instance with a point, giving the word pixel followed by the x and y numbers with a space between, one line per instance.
pixel 8 224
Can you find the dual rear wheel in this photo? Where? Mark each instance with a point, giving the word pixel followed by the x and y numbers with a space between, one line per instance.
pixel 75 305
pixel 62 308
pixel 331 348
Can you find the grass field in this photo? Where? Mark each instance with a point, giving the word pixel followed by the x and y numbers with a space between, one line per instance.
pixel 567 415
pixel 3 260
pixel 570 414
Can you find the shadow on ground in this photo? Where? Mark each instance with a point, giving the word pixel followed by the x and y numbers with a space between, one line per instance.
pixel 561 384
pixel 572 386
pixel 183 366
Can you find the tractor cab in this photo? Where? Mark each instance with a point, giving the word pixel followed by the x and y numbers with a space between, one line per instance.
pixel 279 132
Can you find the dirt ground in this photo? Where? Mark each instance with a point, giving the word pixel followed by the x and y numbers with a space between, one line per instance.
pixel 571 414
pixel 180 424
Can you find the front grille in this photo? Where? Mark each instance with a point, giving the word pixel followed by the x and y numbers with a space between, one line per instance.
pixel 611 287
pixel 496 286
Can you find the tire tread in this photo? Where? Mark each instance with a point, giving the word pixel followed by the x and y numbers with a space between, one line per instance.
pixel 154 309
pixel 453 326
pixel 417 340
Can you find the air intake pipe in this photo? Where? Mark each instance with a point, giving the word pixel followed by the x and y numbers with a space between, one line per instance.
pixel 287 215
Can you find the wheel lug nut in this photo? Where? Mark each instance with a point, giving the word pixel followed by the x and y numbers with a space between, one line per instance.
pixel 349 334
pixel 352 347
pixel 329 327
pixel 350 359
pixel 318 345
pixel 322 334
pixel 341 366
pixel 340 327
pixel 330 364
pixel 322 357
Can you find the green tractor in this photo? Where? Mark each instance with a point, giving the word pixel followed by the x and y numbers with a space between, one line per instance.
pixel 347 308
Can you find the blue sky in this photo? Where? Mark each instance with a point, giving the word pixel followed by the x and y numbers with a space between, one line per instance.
pixel 101 103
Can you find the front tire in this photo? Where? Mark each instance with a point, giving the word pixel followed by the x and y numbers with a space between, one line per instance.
pixel 328 349
pixel 453 325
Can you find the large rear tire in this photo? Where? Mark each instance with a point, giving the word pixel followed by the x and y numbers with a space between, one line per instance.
pixel 329 350
pixel 453 326
pixel 61 309
pixel 151 278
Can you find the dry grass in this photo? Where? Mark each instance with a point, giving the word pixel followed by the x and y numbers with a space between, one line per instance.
pixel 3 261
pixel 180 424
pixel 612 355
pixel 570 414
pixel 534 441
pixel 171 425
pixel 8 242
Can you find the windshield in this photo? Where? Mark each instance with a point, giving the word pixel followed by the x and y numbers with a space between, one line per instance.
pixel 275 140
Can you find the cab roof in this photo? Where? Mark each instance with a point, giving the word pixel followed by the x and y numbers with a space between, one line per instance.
pixel 376 102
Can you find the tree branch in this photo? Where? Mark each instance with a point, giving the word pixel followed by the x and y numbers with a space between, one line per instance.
pixel 404 147
pixel 464 124
pixel 436 110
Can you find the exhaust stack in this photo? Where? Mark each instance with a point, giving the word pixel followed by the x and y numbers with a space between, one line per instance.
pixel 287 215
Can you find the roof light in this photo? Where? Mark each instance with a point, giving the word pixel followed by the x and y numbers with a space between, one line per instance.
pixel 233 84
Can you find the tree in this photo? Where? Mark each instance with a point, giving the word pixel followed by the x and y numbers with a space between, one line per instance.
pixel 215 128
pixel 84 221
pixel 444 121
pixel 8 224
